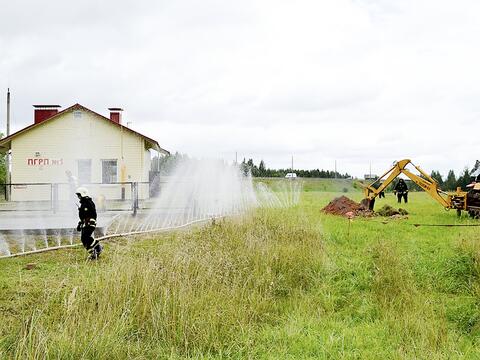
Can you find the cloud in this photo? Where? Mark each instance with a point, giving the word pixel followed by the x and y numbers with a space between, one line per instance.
pixel 357 81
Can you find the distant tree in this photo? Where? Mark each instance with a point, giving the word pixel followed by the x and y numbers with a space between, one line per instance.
pixel 463 179
pixel 250 166
pixel 261 169
pixel 244 168
pixel 167 164
pixel 451 181
pixel 437 177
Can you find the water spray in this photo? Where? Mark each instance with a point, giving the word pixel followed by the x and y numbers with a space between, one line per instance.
pixel 197 191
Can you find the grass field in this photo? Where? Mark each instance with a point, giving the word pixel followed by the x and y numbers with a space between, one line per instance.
pixel 276 284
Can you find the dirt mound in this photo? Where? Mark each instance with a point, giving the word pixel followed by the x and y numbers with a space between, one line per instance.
pixel 387 210
pixel 346 207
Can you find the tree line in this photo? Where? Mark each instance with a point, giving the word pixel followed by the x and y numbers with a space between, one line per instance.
pixel 165 165
pixel 451 182
pixel 262 171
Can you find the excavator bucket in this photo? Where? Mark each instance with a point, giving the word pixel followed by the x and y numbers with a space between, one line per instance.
pixel 368 203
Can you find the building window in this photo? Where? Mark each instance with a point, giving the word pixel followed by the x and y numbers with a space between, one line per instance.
pixel 109 171
pixel 84 167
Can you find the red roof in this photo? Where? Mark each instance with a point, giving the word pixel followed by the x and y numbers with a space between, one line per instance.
pixel 152 142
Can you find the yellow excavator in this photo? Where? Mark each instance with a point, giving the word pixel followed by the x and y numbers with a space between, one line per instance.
pixel 459 200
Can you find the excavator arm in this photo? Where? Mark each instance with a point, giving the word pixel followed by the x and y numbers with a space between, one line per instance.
pixel 425 181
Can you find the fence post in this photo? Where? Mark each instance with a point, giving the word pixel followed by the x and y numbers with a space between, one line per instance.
pixel 8 191
pixel 134 197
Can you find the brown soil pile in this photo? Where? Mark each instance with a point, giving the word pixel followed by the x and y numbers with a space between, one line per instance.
pixel 346 207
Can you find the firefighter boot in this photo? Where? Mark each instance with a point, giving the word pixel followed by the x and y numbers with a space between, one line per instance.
pixel 98 249
pixel 93 255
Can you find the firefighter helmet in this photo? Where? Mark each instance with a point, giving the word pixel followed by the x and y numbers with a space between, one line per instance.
pixel 82 191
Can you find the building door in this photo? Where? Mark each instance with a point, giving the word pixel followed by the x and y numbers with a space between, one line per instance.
pixel 84 171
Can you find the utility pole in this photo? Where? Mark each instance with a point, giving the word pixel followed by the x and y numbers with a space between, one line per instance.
pixel 8 111
pixel 335 174
pixel 236 158
pixel 9 153
pixel 292 163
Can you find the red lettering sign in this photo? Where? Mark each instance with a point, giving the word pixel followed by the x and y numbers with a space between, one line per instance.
pixel 44 162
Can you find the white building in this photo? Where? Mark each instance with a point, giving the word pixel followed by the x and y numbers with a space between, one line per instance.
pixel 98 151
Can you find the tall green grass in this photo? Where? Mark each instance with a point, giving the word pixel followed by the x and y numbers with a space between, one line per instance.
pixel 201 292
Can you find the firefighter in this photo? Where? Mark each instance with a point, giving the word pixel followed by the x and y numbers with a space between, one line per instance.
pixel 381 194
pixel 377 185
pixel 88 221
pixel 401 190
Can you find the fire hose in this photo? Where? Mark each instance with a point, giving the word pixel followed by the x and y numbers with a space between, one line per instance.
pixel 112 236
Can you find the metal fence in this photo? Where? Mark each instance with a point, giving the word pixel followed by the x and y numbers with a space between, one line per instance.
pixel 60 197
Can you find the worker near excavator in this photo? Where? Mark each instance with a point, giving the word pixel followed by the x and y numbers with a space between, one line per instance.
pixel 401 190
pixel 377 185
pixel 87 224
pixel 381 194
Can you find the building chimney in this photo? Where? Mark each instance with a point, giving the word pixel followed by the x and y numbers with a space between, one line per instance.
pixel 44 112
pixel 116 115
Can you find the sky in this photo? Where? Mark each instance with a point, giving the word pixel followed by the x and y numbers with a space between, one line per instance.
pixel 356 83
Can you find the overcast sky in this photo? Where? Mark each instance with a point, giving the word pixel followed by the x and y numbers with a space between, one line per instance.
pixel 358 82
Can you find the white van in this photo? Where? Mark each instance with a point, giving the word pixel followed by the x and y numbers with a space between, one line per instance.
pixel 291 176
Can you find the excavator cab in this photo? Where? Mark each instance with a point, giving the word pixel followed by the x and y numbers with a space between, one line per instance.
pixel 473 195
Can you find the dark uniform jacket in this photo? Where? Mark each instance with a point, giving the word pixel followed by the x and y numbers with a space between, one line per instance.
pixel 87 211
pixel 401 187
